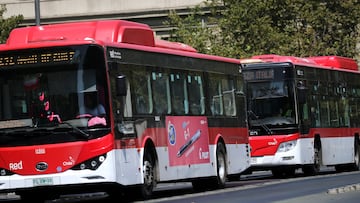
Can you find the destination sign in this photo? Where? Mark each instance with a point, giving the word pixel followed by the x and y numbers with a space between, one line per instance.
pixel 259 74
pixel 36 58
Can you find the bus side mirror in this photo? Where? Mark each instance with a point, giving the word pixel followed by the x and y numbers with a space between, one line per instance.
pixel 121 85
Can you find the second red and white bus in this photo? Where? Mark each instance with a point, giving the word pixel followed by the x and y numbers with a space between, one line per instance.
pixel 303 113
pixel 168 113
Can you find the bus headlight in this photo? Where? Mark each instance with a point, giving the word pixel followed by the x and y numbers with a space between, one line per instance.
pixel 91 164
pixel 287 146
pixel 4 172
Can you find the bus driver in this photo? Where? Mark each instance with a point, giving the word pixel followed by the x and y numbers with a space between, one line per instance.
pixel 93 109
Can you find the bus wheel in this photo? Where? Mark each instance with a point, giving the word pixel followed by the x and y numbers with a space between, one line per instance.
pixel 202 184
pixel 356 165
pixel 36 196
pixel 314 168
pixel 146 189
pixel 221 165
pixel 283 172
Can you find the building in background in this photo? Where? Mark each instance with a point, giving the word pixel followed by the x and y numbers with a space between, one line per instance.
pixel 152 12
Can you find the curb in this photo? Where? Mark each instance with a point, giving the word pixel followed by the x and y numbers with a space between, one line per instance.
pixel 348 188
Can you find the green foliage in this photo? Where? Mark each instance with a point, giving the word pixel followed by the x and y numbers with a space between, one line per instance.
pixel 242 28
pixel 6 25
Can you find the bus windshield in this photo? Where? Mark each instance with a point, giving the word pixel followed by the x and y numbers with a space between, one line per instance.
pixel 67 94
pixel 271 104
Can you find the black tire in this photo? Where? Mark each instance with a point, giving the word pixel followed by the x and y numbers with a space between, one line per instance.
pixel 219 181
pixel 221 166
pixel 36 196
pixel 147 188
pixel 277 173
pixel 356 164
pixel 283 172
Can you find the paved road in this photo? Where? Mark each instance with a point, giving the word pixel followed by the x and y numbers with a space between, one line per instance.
pixel 258 187
pixel 327 188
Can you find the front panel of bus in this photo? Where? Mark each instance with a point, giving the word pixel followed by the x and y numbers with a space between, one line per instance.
pixel 272 112
pixel 43 127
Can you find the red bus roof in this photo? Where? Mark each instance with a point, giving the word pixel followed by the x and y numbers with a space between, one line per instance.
pixel 110 31
pixel 107 31
pixel 121 33
pixel 337 62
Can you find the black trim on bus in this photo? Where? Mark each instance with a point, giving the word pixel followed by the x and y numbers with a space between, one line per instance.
pixel 130 56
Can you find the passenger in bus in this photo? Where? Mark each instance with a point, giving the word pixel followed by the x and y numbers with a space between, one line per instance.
pixel 286 111
pixel 313 117
pixel 42 113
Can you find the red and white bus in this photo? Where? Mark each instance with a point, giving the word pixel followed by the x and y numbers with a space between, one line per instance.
pixel 303 113
pixel 163 112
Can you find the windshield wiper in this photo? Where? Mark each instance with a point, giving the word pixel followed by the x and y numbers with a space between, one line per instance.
pixel 39 131
pixel 266 128
pixel 81 132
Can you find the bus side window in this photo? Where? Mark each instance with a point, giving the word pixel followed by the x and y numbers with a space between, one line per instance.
pixel 334 113
pixel 228 91
pixel 216 97
pixel 178 93
pixel 229 102
pixel 324 112
pixel 196 95
pixel 142 94
pixel 314 111
pixel 161 92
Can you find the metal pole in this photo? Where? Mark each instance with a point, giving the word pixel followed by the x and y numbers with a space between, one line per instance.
pixel 37 12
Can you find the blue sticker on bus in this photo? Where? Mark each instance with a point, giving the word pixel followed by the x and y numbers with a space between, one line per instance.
pixel 172 134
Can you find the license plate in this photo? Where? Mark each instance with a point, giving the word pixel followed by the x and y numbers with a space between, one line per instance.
pixel 43 181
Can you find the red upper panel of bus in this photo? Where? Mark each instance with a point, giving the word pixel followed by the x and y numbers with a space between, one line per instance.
pixel 107 31
pixel 326 61
pixel 336 62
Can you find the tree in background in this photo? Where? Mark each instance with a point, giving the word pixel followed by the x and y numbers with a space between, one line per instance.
pixel 242 28
pixel 6 25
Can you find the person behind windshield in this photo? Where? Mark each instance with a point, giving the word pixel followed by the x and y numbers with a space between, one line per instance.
pixel 286 111
pixel 41 111
pixel 91 105
pixel 92 108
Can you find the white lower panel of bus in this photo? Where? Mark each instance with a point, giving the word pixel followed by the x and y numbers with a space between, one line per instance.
pixel 238 161
pixel 104 174
pixel 337 150
pixel 334 150
pixel 125 168
pixel 302 153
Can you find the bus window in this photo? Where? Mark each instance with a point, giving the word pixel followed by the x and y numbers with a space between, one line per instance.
pixel 161 92
pixel 354 115
pixel 215 95
pixel 324 112
pixel 334 113
pixel 229 97
pixel 314 111
pixel 196 94
pixel 344 109
pixel 178 93
pixel 142 91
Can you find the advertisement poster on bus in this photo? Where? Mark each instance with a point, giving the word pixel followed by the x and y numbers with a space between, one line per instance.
pixel 188 140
